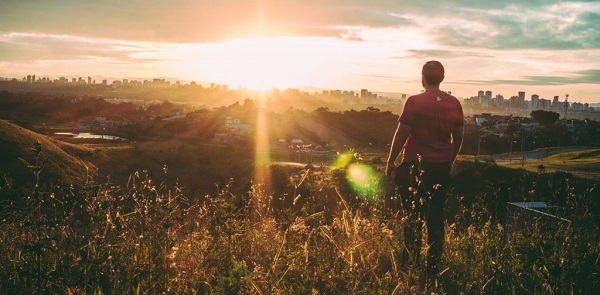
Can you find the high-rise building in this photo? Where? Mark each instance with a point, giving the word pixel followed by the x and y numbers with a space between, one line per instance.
pixel 364 92
pixel 514 102
pixel 535 101
pixel 480 95
pixel 499 100
pixel 521 99
pixel 488 98
pixel 488 94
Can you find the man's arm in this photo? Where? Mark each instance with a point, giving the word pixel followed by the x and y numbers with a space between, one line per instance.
pixel 457 140
pixel 398 141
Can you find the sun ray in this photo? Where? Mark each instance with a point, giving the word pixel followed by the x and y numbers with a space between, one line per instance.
pixel 262 157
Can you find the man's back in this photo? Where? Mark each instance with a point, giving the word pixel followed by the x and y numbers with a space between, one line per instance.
pixel 431 125
pixel 432 115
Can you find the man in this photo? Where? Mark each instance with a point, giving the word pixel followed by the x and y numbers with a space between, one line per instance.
pixel 430 130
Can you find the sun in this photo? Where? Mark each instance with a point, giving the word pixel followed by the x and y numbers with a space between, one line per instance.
pixel 265 63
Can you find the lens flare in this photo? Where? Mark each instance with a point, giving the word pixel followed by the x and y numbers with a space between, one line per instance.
pixel 364 181
pixel 262 156
pixel 343 160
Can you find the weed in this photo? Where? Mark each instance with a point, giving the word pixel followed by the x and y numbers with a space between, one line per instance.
pixel 146 237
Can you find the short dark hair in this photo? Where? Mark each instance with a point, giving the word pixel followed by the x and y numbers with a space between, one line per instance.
pixel 433 72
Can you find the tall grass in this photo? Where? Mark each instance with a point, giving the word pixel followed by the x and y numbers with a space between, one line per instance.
pixel 144 237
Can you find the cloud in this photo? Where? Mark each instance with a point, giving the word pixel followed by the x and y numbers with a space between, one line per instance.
pixel 561 26
pixel 442 54
pixel 589 76
pixel 507 24
pixel 196 21
pixel 581 77
pixel 432 53
pixel 27 46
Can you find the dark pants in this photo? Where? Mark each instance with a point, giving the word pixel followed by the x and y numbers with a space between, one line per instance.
pixel 422 187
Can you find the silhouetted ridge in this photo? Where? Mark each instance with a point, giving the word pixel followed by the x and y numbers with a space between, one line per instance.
pixel 18 151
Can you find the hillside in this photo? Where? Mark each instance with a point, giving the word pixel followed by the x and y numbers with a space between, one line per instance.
pixel 583 163
pixel 192 214
pixel 59 160
pixel 200 168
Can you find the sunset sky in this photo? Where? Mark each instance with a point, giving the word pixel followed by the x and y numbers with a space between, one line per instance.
pixel 540 47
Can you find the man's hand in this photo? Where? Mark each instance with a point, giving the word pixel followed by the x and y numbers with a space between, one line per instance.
pixel 389 169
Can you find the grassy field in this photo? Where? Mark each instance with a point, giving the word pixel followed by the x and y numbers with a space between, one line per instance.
pixel 581 163
pixel 20 152
pixel 308 230
pixel 312 236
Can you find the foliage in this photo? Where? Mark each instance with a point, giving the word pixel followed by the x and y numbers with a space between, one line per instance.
pixel 20 144
pixel 582 163
pixel 310 234
pixel 369 128
pixel 544 117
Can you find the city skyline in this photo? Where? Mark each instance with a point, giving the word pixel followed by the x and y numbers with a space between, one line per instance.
pixel 556 103
pixel 550 48
pixel 483 98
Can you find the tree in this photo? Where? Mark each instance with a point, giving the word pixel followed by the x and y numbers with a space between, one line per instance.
pixel 249 104
pixel 373 109
pixel 545 118
pixel 512 128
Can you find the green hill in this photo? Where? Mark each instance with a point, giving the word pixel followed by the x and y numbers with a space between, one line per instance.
pixel 582 163
pixel 20 152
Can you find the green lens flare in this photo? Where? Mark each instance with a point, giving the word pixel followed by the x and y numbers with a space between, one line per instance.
pixel 343 160
pixel 364 181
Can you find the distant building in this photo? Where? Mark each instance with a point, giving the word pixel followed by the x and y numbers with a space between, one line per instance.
pixel 488 98
pixel 499 100
pixel 544 104
pixel 555 103
pixel 535 101
pixel 480 96
pixel 521 102
pixel 234 127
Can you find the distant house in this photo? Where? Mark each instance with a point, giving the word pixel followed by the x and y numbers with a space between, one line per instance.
pixel 480 120
pixel 176 112
pixel 235 128
pixel 530 125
